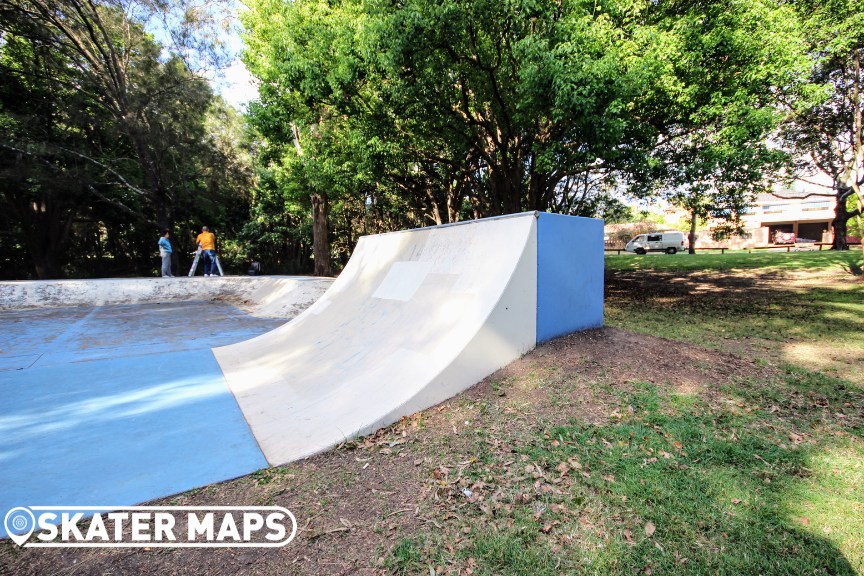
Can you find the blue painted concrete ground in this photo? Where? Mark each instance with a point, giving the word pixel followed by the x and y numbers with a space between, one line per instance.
pixel 119 405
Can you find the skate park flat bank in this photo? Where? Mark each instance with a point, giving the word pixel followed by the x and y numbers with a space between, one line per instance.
pixel 111 391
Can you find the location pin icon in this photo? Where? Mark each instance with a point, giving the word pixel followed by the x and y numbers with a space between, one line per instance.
pixel 19 524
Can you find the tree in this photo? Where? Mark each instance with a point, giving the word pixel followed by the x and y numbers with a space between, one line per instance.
pixel 717 176
pixel 425 112
pixel 284 117
pixel 519 100
pixel 44 181
pixel 476 108
pixel 120 64
pixel 108 134
pixel 717 107
pixel 825 125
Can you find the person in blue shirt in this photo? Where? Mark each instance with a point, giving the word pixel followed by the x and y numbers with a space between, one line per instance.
pixel 165 253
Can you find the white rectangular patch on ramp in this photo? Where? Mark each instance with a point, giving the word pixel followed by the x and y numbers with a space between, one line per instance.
pixel 402 280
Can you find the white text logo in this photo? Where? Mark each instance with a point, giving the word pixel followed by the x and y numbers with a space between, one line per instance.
pixel 150 526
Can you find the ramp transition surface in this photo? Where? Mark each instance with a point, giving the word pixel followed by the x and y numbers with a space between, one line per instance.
pixel 415 318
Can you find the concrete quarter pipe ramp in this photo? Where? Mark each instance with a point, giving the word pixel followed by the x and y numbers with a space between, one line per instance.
pixel 415 318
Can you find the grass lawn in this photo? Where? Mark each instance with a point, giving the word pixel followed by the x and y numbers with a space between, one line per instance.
pixel 805 308
pixel 715 426
pixel 760 472
pixel 740 260
pixel 801 313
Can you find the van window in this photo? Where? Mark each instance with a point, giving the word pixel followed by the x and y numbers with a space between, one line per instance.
pixel 655 238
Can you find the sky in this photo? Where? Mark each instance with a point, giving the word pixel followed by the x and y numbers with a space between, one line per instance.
pixel 233 83
pixel 237 86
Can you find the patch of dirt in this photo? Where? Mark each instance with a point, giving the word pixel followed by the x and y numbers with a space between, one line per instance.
pixel 355 503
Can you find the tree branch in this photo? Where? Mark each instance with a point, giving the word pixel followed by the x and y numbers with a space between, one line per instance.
pixel 119 176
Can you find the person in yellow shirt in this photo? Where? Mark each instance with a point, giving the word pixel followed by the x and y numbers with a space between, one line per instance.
pixel 206 241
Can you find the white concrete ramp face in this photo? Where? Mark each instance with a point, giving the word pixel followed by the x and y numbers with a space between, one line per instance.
pixel 415 318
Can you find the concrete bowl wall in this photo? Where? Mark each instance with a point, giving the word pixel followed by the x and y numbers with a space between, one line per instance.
pixel 267 296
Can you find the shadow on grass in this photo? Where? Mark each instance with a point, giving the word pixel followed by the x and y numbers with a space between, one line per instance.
pixel 734 306
pixel 854 268
pixel 779 261
pixel 672 485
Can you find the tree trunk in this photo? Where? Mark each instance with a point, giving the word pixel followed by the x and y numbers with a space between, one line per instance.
pixel 692 236
pixel 320 239
pixel 47 266
pixel 452 212
pixel 506 190
pixel 46 223
pixel 434 208
pixel 455 191
pixel 160 205
pixel 841 218
pixel 514 190
pixel 537 187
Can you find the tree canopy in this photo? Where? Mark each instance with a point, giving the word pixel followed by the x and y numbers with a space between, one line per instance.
pixel 377 115
pixel 106 133
pixel 467 109
pixel 825 127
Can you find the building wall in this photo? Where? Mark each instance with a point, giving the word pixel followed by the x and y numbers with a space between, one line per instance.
pixel 808 218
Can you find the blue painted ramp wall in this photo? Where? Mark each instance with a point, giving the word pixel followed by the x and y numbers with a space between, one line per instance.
pixel 569 275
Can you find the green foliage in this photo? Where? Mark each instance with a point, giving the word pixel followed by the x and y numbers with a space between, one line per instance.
pixel 107 140
pixel 825 127
pixel 278 232
pixel 427 112
pixel 714 156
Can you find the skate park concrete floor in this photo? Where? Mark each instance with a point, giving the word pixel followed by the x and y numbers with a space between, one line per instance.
pixel 117 405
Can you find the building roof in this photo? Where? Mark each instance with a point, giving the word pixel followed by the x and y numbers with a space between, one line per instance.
pixel 792 194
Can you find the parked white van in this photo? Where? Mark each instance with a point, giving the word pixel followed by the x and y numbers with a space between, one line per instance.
pixel 669 242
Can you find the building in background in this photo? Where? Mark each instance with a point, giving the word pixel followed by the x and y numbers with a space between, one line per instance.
pixel 807 217
pixel 793 210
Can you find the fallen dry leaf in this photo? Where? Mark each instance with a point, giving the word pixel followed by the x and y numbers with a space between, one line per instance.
pixel 650 529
